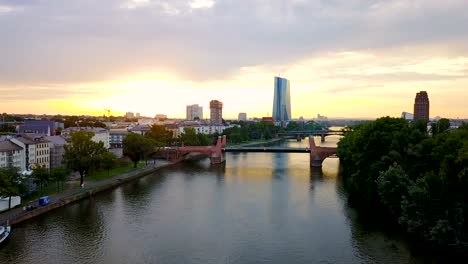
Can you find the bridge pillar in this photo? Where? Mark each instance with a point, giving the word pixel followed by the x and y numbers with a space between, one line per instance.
pixel 322 138
pixel 217 157
pixel 298 137
pixel 217 154
pixel 315 157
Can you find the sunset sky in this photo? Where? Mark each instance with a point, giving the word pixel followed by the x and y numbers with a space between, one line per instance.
pixel 344 58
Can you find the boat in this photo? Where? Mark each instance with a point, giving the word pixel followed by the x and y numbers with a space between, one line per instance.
pixel 4 233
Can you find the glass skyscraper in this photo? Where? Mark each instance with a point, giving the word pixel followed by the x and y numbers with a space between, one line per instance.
pixel 282 100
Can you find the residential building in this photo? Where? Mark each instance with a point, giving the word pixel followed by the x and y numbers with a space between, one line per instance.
pixel 11 155
pixel 140 129
pixel 194 112
pixel 57 149
pixel 421 106
pixel 242 117
pixel 36 149
pixel 281 100
pixel 100 134
pixel 129 115
pixel 216 112
pixel 116 137
pixel 137 115
pixel 41 127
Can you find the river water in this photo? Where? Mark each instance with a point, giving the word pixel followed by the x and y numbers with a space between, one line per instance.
pixel 257 208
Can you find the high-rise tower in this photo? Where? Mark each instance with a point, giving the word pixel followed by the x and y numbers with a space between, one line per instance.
pixel 421 106
pixel 194 112
pixel 216 112
pixel 281 100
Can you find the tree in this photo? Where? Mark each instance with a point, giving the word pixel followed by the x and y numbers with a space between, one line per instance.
pixel 59 175
pixel 137 147
pixel 189 137
pixel 292 126
pixel 160 135
pixel 10 183
pixel 441 126
pixel 108 161
pixel 369 149
pixel 392 186
pixel 41 176
pixel 82 153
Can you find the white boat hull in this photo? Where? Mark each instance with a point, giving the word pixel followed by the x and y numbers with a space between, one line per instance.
pixel 5 234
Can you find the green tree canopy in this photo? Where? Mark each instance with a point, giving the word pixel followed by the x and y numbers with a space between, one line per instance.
pixel 82 153
pixel 137 147
pixel 421 181
pixel 108 161
pixel 41 176
pixel 11 183
pixel 160 135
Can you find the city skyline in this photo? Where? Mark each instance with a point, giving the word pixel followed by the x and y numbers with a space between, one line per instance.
pixel 159 56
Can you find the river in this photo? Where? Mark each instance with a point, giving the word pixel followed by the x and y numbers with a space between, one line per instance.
pixel 257 208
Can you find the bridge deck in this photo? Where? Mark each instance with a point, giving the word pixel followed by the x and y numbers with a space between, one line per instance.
pixel 267 149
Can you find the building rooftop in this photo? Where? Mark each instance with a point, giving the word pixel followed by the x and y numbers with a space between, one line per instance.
pixel 8 146
pixel 57 140
pixel 90 129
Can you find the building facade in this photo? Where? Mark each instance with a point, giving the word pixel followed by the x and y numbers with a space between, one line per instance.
pixel 36 151
pixel 281 100
pixel 421 106
pixel 11 155
pixel 57 149
pixel 129 115
pixel 194 112
pixel 216 112
pixel 407 116
pixel 116 137
pixel 242 117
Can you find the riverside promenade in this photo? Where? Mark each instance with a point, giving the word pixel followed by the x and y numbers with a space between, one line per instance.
pixel 18 215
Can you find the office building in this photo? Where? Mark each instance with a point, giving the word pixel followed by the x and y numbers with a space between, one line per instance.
pixel 242 117
pixel 407 116
pixel 421 106
pixel 194 112
pixel 281 100
pixel 129 115
pixel 216 112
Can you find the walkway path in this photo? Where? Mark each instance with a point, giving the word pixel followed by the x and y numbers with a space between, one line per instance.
pixel 18 213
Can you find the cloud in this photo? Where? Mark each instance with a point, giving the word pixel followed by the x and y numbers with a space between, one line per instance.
pixel 87 41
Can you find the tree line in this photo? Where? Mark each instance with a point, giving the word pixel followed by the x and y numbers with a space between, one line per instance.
pixel 417 178
pixel 253 131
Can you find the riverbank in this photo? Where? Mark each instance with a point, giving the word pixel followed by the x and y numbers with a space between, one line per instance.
pixel 18 215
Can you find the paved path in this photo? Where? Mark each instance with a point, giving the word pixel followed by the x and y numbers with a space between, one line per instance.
pixel 16 212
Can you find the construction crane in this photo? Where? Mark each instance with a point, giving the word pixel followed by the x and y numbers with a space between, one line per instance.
pixel 108 114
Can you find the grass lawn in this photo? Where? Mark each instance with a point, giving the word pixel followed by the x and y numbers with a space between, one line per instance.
pixel 119 169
